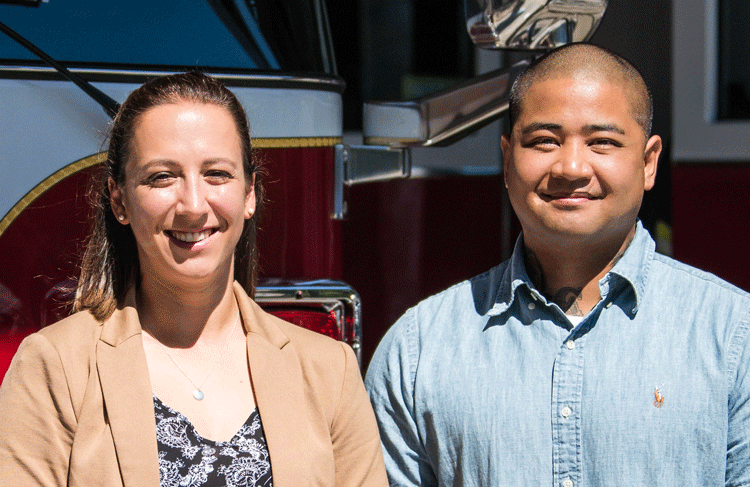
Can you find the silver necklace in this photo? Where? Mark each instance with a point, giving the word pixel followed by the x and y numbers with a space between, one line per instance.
pixel 198 392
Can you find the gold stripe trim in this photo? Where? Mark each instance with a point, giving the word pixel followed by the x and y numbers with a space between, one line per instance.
pixel 47 184
pixel 390 141
pixel 258 143
pixel 291 142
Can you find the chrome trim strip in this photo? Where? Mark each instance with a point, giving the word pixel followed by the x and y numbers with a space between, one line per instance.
pixel 329 83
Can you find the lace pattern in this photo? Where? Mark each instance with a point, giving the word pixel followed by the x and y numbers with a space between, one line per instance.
pixel 186 459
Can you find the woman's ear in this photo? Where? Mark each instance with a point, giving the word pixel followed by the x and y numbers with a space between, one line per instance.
pixel 116 202
pixel 250 199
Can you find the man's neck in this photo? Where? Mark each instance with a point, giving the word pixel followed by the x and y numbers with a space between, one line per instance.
pixel 570 277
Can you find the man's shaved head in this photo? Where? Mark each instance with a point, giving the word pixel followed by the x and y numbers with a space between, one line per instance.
pixel 586 62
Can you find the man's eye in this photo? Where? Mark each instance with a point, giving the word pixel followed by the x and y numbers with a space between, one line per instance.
pixel 605 143
pixel 542 142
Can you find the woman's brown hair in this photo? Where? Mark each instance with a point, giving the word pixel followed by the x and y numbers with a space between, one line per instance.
pixel 110 263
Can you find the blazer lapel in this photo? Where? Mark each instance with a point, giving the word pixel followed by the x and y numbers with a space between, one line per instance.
pixel 128 402
pixel 277 382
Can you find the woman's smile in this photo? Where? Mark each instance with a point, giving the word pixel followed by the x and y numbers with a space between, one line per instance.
pixel 180 238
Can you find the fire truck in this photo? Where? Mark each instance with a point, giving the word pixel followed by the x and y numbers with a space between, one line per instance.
pixel 64 68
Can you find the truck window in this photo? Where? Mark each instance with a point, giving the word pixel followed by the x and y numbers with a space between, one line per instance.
pixel 220 34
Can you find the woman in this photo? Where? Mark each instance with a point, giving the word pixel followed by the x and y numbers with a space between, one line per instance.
pixel 169 373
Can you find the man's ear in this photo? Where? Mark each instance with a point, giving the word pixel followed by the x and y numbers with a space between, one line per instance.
pixel 505 149
pixel 116 202
pixel 651 161
pixel 250 200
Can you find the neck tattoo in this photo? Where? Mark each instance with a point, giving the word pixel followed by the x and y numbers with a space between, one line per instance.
pixel 198 392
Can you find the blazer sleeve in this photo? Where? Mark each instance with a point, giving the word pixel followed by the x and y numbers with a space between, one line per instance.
pixel 354 433
pixel 37 419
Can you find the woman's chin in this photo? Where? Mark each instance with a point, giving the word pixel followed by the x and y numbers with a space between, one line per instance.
pixel 191 276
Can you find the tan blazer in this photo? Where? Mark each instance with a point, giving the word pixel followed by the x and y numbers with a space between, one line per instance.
pixel 76 406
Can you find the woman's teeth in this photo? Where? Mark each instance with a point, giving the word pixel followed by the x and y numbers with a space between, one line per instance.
pixel 191 237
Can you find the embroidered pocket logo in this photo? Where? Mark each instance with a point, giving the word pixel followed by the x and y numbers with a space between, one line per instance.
pixel 658 398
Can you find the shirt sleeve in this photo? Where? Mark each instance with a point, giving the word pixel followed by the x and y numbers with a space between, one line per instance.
pixel 390 384
pixel 38 420
pixel 738 434
pixel 356 444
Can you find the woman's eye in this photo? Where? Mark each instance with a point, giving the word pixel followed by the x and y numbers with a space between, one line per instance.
pixel 218 175
pixel 159 178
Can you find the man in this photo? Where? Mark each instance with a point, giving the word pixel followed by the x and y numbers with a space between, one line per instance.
pixel 587 358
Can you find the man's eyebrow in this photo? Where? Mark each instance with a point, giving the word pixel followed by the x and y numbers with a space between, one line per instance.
pixel 533 127
pixel 590 129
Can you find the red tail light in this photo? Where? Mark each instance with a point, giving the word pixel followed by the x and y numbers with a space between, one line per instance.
pixel 315 319
pixel 328 307
pixel 331 308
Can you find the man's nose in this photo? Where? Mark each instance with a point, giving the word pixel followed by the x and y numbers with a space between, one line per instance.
pixel 572 163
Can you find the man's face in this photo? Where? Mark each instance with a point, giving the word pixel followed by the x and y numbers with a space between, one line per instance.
pixel 577 162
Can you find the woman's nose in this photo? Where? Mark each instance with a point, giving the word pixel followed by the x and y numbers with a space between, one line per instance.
pixel 192 199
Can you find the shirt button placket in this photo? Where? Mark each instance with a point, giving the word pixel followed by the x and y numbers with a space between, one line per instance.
pixel 566 392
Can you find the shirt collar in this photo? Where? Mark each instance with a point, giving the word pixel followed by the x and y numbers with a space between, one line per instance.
pixel 634 266
pixel 515 277
pixel 632 269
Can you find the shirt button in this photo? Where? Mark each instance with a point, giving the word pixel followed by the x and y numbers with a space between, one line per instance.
pixel 532 306
pixel 567 483
pixel 570 344
pixel 608 304
pixel 566 412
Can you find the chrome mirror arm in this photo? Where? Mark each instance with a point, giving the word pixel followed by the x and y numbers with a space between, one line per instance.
pixel 530 25
pixel 441 119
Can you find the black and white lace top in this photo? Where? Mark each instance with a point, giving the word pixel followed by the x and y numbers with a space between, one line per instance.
pixel 186 459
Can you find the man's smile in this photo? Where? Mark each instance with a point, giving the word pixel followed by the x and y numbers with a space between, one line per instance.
pixel 568 196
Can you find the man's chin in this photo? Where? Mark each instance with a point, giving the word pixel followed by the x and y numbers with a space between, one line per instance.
pixel 574 234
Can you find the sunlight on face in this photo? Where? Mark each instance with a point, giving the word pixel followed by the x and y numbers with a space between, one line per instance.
pixel 577 162
pixel 185 195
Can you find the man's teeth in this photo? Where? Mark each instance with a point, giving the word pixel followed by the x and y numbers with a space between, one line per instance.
pixel 191 237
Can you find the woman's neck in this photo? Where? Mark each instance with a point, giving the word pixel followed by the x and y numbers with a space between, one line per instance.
pixel 181 316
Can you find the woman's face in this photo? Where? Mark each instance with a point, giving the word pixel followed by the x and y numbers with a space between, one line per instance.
pixel 185 194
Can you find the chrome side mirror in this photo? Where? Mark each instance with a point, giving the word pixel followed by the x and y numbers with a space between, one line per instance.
pixel 532 24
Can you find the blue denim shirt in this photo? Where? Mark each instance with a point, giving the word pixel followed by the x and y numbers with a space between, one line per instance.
pixel 490 384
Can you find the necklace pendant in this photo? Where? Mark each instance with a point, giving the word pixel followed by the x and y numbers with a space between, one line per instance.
pixel 198 395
